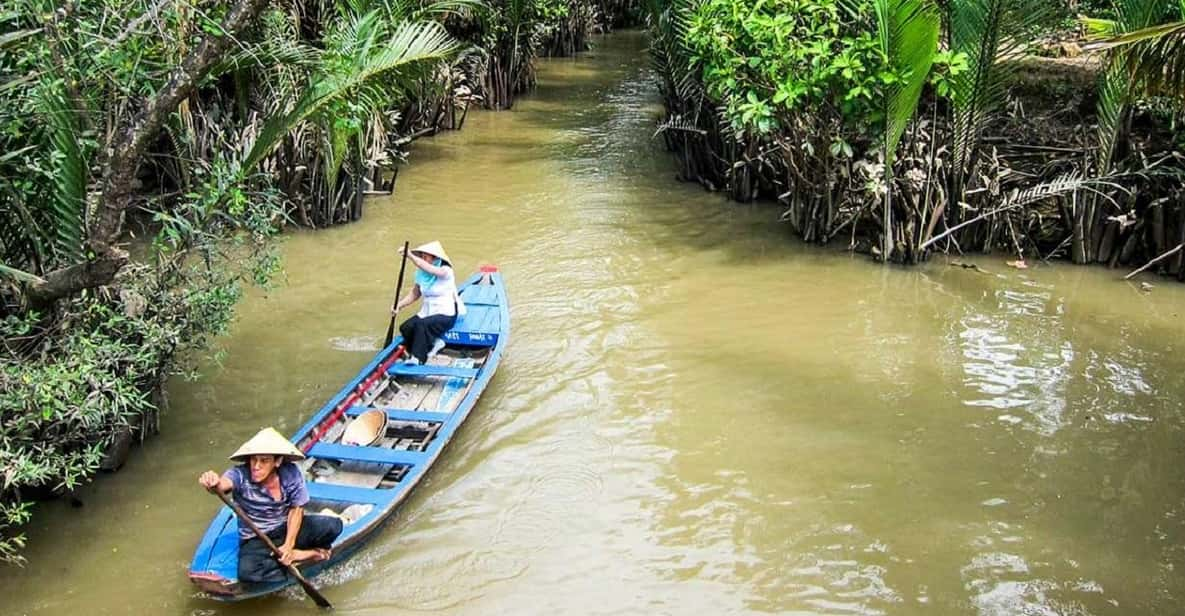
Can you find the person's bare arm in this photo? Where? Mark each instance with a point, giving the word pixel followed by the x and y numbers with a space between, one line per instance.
pixel 427 266
pixel 408 299
pixel 288 549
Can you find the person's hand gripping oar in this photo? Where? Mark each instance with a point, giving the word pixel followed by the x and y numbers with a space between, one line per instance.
pixel 308 587
pixel 395 305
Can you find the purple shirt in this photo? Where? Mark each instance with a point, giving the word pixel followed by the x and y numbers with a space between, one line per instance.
pixel 267 512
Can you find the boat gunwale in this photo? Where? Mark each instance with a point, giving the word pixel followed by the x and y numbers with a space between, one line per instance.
pixel 380 514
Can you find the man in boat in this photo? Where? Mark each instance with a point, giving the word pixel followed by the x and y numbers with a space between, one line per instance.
pixel 270 489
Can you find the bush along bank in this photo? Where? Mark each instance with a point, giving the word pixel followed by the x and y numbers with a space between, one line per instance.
pixel 207 132
pixel 904 127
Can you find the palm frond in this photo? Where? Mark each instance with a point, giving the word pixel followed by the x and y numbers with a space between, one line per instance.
pixel 337 146
pixel 411 44
pixel 1111 110
pixel 1115 87
pixel 1154 57
pixel 67 209
pixel 274 52
pixel 445 7
pixel 1137 14
pixel 678 123
pixel 1061 185
pixel 1099 29
pixel 908 31
pixel 22 242
pixel 986 31
pixel 19 275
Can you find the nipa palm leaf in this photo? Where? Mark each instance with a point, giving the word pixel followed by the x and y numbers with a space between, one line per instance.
pixel 1115 87
pixel 986 31
pixel 908 31
pixel 66 212
pixel 1154 57
pixel 410 44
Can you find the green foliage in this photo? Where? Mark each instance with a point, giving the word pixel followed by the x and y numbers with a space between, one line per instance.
pixel 983 31
pixel 68 158
pixel 947 65
pixel 73 376
pixel 360 74
pixel 1116 86
pixel 1145 43
pixel 12 515
pixel 44 160
pixel 908 32
pixel 766 60
pixel 1156 57
pixel 72 379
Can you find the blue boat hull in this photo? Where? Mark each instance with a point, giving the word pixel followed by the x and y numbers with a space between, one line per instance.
pixel 396 464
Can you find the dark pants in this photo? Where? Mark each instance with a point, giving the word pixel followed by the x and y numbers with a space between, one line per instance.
pixel 419 334
pixel 258 564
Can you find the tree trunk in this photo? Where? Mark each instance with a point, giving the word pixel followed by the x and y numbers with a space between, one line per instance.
pixel 124 155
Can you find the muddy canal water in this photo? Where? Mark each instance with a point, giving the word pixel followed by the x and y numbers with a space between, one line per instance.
pixel 695 415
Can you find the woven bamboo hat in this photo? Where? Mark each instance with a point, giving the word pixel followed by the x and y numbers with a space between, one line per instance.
pixel 267 443
pixel 366 428
pixel 435 249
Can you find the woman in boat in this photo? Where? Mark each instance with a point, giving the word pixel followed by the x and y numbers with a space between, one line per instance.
pixel 436 285
pixel 270 489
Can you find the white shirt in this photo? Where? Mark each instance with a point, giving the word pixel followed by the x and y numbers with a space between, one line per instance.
pixel 441 297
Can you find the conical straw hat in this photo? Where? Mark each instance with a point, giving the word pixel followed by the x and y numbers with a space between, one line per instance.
pixel 435 249
pixel 366 428
pixel 267 443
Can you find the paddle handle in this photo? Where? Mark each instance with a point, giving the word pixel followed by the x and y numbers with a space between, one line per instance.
pixel 312 591
pixel 398 289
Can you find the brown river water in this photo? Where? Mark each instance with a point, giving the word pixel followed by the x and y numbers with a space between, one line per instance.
pixel 696 414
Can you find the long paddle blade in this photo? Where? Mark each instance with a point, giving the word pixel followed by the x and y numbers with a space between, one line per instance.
pixel 398 289
pixel 311 590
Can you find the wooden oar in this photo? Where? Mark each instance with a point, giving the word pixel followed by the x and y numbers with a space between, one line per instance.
pixel 312 591
pixel 398 289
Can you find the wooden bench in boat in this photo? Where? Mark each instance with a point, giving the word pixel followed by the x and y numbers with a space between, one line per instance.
pixel 375 455
pixel 401 369
pixel 401 414
pixel 346 494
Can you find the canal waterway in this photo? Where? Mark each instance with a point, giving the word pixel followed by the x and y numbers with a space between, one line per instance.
pixel 696 414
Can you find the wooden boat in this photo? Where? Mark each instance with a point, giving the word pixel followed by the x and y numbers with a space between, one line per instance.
pixel 425 405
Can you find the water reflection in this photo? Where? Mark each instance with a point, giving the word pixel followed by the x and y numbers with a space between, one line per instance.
pixel 695 414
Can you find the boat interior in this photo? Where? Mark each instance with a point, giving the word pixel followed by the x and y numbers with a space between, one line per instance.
pixel 399 408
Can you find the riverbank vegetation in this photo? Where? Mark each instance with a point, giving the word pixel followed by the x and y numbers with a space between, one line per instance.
pixel 151 151
pixel 904 127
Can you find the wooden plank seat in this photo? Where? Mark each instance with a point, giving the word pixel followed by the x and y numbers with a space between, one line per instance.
pixel 394 414
pixel 345 494
pixel 401 369
pixel 376 455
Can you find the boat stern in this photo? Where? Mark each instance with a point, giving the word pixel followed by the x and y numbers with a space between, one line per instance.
pixel 215 585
